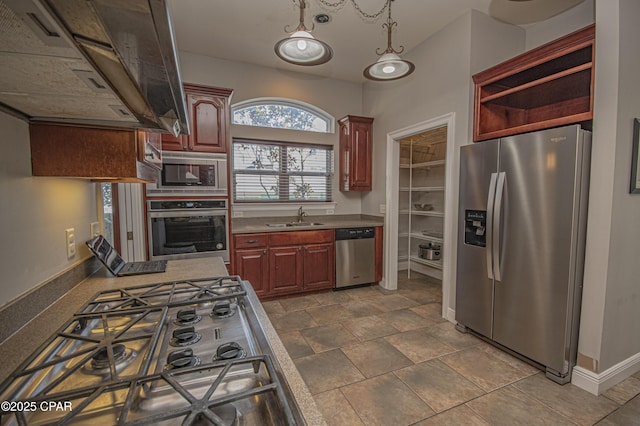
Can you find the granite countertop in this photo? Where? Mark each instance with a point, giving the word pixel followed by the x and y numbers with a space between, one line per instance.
pixel 16 348
pixel 259 224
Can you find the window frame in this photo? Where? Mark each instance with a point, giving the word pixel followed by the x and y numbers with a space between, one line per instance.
pixel 293 103
pixel 282 174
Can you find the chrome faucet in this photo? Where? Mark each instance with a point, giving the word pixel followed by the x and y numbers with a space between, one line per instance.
pixel 301 214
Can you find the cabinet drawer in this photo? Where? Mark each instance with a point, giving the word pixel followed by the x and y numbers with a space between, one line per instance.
pixel 301 237
pixel 250 240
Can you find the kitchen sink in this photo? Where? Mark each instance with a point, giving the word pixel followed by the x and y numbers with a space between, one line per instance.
pixel 286 225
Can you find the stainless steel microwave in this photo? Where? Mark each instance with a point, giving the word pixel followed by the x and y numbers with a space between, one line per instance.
pixel 190 174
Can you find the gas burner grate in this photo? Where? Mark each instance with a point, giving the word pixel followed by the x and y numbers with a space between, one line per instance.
pixel 173 293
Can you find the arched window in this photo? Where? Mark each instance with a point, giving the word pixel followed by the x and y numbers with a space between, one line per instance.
pixel 282 114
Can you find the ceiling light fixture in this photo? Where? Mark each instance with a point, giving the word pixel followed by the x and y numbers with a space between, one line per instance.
pixel 389 66
pixel 300 48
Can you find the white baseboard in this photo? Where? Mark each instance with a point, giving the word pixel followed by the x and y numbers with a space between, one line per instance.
pixel 451 315
pixel 597 383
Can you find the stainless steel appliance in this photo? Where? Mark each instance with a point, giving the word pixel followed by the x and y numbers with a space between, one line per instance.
pixel 355 256
pixel 179 229
pixel 522 219
pixel 188 174
pixel 185 352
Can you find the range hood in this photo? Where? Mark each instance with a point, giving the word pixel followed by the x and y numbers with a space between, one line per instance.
pixel 100 62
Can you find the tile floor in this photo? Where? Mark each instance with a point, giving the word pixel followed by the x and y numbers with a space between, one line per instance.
pixel 390 359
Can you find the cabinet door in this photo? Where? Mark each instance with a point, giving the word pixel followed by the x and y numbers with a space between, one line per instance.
pixel 319 266
pixel 285 270
pixel 253 265
pixel 360 173
pixel 173 143
pixel 208 123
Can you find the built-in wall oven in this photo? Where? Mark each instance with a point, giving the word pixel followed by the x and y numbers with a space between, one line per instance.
pixel 187 228
pixel 189 174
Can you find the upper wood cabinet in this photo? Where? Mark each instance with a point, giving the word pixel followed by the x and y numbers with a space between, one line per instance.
pixel 95 153
pixel 208 109
pixel 548 86
pixel 355 153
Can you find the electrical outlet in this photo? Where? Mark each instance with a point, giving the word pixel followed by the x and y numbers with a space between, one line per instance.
pixel 383 208
pixel 330 211
pixel 71 242
pixel 94 229
pixel 238 214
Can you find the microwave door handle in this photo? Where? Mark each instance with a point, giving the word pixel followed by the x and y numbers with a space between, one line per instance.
pixel 497 225
pixel 489 224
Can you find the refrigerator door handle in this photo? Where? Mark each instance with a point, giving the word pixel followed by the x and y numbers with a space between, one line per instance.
pixel 489 243
pixel 497 219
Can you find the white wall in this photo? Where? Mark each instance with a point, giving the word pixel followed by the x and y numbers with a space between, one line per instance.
pixel 34 215
pixel 611 308
pixel 560 25
pixel 337 97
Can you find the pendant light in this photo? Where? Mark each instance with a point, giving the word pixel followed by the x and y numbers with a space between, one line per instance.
pixel 389 66
pixel 300 48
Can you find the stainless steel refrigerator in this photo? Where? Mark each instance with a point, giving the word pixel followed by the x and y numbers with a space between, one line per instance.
pixel 522 222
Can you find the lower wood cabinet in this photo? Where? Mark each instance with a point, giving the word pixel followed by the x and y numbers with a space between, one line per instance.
pixel 253 265
pixel 282 263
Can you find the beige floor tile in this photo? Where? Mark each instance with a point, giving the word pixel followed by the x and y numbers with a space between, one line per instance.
pixel 432 311
pixel 579 405
pixel 624 391
pixel 392 302
pixel 361 308
pixel 421 297
pixel 298 303
pixel 447 333
pixel 332 297
pixel 488 372
pixel 627 415
pixel 508 406
pixel 292 321
pixel 438 385
pixel 368 328
pixel 327 314
pixel 405 320
pixel 327 370
pixel 295 344
pixel 509 359
pixel 361 293
pixel 376 357
pixel 336 409
pixel 418 345
pixel 385 400
pixel 273 307
pixel 458 416
pixel 327 337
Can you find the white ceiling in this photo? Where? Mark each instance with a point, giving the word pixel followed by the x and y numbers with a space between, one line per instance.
pixel 247 30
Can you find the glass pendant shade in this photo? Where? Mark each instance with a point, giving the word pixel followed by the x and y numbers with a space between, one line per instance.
pixel 388 67
pixel 302 49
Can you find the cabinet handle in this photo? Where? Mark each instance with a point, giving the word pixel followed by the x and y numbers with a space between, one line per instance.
pixel 184 148
pixel 190 148
pixel 252 241
pixel 264 251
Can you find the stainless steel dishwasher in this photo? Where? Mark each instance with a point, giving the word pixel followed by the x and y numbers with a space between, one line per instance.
pixel 355 256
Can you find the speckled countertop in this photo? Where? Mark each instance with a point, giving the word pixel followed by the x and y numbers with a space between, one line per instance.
pixel 16 348
pixel 250 225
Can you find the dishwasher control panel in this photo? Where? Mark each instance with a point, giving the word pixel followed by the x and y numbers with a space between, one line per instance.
pixel 355 233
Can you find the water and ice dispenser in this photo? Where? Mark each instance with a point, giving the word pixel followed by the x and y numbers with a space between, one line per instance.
pixel 475 222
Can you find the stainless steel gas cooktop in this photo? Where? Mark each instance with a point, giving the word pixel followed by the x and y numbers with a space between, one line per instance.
pixel 186 352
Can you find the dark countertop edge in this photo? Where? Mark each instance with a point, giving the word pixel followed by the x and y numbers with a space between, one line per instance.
pixel 259 225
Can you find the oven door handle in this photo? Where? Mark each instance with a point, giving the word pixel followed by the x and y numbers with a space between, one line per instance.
pixel 188 213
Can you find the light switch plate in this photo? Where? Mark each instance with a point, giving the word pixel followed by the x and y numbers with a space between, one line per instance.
pixel 71 242
pixel 238 214
pixel 94 229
